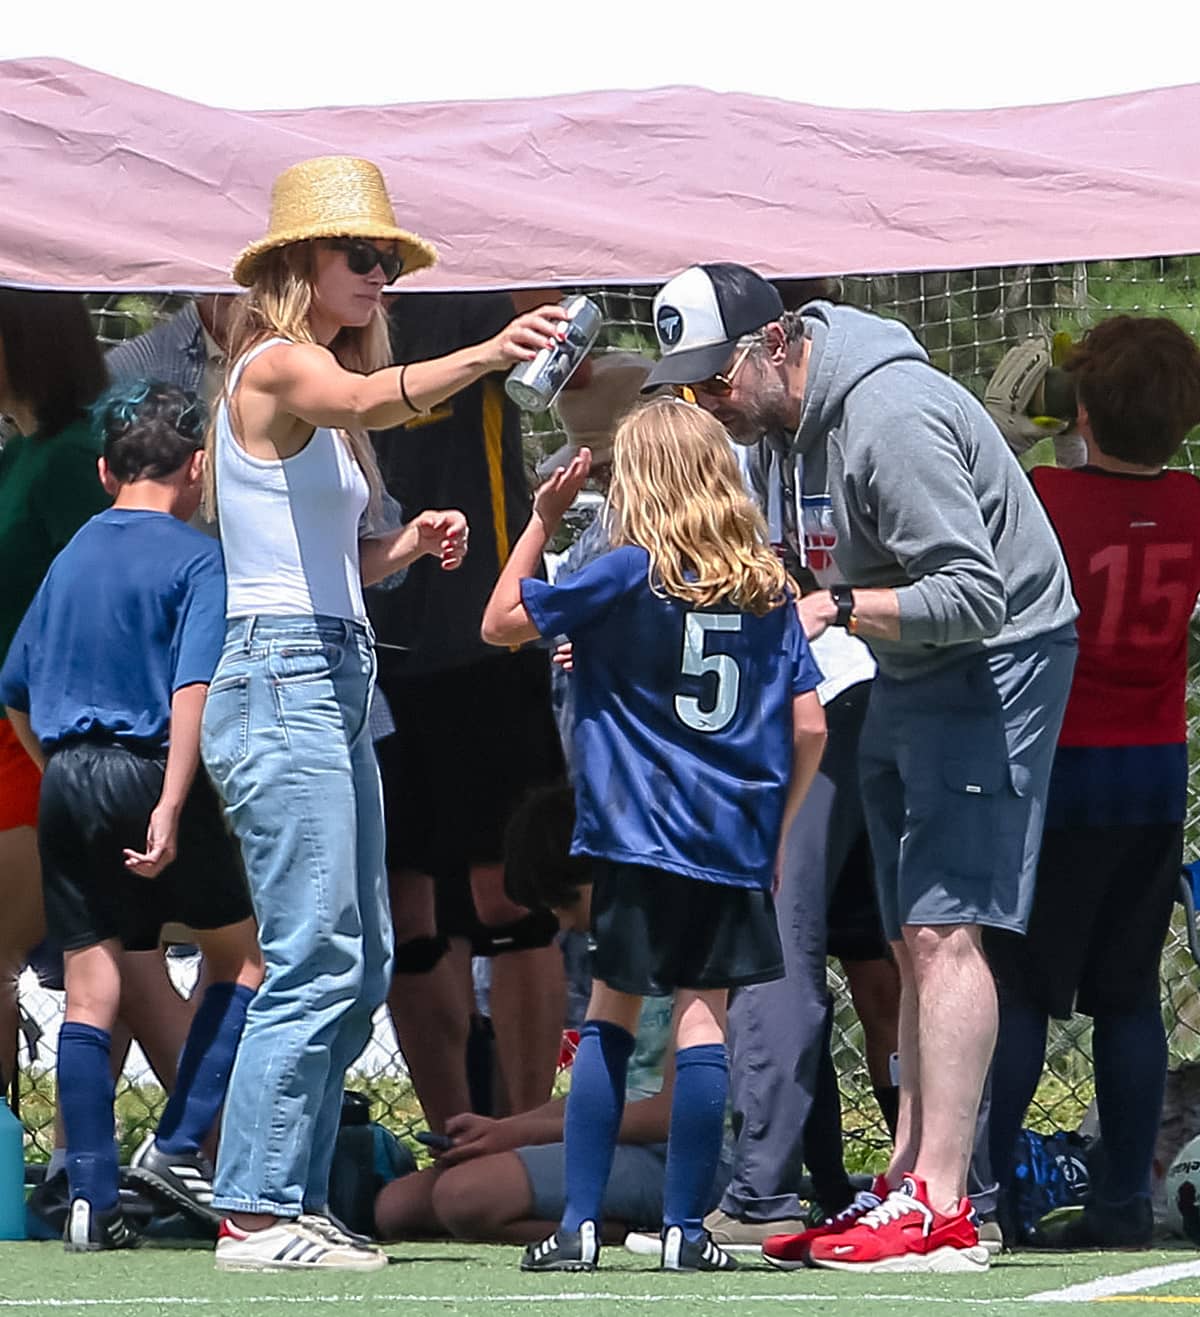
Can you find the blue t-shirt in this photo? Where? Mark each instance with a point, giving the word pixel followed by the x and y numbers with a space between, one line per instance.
pixel 683 721
pixel 131 610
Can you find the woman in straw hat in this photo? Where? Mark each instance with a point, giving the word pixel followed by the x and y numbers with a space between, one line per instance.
pixel 285 729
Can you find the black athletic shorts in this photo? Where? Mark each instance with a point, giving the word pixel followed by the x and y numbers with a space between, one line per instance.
pixel 469 743
pixel 96 800
pixel 655 931
pixel 855 928
pixel 1101 912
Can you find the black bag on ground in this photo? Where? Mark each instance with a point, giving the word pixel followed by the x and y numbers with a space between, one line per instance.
pixel 366 1156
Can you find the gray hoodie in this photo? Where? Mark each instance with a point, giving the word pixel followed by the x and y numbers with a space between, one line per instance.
pixel 921 493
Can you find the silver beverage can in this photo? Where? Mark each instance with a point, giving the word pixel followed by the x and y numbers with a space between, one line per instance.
pixel 534 385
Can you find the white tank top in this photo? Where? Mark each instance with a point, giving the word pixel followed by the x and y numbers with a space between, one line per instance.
pixel 289 527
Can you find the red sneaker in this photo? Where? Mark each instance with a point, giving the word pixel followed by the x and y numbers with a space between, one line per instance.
pixel 905 1234
pixel 789 1252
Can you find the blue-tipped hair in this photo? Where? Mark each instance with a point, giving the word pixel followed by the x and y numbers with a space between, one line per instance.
pixel 150 429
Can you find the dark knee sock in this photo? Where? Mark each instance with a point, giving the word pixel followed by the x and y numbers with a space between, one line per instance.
pixel 85 1098
pixel 694 1146
pixel 204 1067
pixel 594 1108
pixel 1016 1068
pixel 1129 1052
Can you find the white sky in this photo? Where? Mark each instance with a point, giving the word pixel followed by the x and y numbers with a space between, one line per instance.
pixel 939 54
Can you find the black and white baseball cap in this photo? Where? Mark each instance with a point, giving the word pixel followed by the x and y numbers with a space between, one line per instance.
pixel 700 315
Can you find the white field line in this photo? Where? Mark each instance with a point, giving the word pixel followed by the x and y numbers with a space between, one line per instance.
pixel 1147 1278
pixel 598 1296
pixel 1106 1287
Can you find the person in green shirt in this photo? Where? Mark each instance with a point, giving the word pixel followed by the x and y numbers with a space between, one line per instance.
pixel 51 371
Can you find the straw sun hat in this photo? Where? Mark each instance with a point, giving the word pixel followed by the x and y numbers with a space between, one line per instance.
pixel 334 196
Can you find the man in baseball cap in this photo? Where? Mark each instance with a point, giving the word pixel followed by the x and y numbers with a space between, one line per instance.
pixel 930 544
pixel 701 315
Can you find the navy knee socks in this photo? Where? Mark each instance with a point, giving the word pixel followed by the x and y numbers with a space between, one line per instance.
pixel 85 1098
pixel 1129 1052
pixel 595 1105
pixel 697 1125
pixel 204 1068
pixel 1016 1068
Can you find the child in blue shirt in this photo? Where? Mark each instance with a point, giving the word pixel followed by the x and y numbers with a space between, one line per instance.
pixel 697 733
pixel 105 684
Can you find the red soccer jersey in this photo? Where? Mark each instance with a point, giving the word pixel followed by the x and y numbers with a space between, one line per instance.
pixel 1133 546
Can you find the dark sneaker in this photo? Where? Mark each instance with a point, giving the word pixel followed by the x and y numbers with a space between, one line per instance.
pixel 184 1179
pixel 682 1254
pixel 565 1250
pixel 90 1231
pixel 1098 1225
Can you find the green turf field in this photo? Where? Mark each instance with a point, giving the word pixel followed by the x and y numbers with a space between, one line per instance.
pixel 447 1279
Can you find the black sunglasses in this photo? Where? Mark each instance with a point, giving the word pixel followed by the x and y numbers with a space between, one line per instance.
pixel 363 256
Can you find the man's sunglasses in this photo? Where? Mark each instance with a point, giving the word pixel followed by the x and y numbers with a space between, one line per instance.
pixel 363 256
pixel 721 386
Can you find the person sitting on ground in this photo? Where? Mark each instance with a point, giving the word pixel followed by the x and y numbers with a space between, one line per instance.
pixel 1109 865
pixel 663 758
pixel 502 1180
pixel 105 684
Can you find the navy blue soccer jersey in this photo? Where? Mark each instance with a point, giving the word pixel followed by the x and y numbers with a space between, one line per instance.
pixel 683 721
pixel 131 610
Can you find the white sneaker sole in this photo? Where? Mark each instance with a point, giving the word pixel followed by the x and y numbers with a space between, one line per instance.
pixel 942 1261
pixel 783 1265
pixel 650 1246
pixel 368 1262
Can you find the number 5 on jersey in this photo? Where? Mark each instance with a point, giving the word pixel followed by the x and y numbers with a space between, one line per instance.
pixel 696 663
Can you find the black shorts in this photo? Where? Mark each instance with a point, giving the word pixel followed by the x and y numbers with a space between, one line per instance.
pixel 855 929
pixel 469 743
pixel 655 931
pixel 1100 917
pixel 96 800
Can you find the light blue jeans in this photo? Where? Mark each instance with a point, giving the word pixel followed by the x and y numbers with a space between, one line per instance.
pixel 285 741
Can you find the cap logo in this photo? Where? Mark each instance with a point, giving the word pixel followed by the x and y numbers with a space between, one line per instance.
pixel 669 323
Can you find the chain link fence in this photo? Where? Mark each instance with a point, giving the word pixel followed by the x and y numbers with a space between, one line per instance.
pixel 967 320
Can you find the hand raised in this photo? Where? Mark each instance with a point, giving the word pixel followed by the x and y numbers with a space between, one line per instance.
pixel 557 494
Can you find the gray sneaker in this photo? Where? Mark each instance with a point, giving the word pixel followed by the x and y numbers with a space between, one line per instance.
pixel 992 1238
pixel 746 1236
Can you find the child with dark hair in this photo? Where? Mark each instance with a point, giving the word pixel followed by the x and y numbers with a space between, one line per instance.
pixel 105 684
pixel 1113 842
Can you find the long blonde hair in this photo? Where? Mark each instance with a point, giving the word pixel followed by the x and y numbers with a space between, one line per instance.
pixel 277 305
pixel 677 492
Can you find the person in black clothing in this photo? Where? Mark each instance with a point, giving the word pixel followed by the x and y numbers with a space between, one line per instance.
pixel 466 714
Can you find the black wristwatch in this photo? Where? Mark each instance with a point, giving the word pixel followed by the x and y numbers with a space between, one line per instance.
pixel 843 597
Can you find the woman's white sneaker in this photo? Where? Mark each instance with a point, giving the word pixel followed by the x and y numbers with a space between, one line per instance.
pixel 292 1246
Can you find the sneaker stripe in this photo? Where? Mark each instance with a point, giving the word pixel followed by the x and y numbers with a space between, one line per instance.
pixel 79 1221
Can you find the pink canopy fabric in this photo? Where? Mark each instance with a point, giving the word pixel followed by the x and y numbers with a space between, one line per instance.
pixel 111 186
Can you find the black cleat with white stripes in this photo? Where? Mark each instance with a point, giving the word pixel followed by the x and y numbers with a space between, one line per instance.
pixel 565 1250
pixel 682 1254
pixel 182 1179
pixel 89 1230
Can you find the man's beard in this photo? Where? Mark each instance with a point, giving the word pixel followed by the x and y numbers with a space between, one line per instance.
pixel 758 411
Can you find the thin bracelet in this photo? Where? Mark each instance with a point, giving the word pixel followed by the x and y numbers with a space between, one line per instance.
pixel 408 402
